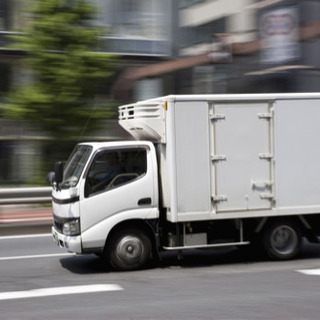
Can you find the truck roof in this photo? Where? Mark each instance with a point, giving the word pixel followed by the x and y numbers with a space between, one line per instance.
pixel 110 144
pixel 148 119
pixel 237 97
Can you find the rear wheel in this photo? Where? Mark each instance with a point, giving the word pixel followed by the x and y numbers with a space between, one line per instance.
pixel 282 239
pixel 129 249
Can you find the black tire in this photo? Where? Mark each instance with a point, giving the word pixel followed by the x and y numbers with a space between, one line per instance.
pixel 128 249
pixel 282 239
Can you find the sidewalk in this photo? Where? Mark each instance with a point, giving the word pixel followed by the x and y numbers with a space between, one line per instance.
pixel 22 219
pixel 16 214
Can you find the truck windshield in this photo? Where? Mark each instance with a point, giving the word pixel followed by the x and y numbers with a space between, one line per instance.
pixel 75 166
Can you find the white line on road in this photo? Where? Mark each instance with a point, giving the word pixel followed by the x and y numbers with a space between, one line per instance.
pixel 36 256
pixel 313 272
pixel 45 292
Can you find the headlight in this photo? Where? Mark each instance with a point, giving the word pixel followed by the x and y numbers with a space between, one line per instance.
pixel 71 228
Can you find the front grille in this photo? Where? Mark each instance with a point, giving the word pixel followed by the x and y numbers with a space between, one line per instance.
pixel 58 223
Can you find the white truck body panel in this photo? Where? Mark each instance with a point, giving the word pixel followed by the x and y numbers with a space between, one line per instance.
pixel 243 176
pixel 65 209
pixel 297 153
pixel 233 156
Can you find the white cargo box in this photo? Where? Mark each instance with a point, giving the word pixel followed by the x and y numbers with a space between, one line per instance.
pixel 233 156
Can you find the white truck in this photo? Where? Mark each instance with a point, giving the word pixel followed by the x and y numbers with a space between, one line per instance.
pixel 203 171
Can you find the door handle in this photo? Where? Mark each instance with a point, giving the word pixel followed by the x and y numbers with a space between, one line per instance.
pixel 144 201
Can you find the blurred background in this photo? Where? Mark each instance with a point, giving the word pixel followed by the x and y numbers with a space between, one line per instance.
pixel 65 65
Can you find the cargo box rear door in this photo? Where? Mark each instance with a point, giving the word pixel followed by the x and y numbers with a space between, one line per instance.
pixel 242 156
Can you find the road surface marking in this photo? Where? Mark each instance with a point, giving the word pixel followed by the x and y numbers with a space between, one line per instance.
pixel 313 272
pixel 36 256
pixel 45 292
pixel 26 236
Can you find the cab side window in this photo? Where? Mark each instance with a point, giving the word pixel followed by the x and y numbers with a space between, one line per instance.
pixel 111 169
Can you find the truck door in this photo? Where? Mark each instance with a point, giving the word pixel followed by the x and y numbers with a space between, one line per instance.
pixel 242 156
pixel 118 181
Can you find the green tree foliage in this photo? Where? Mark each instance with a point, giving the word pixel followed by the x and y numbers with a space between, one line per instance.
pixel 60 44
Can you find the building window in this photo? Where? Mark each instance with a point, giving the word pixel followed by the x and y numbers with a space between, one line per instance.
pixel 140 19
pixel 12 14
pixel 201 34
pixel 183 4
pixel 5 79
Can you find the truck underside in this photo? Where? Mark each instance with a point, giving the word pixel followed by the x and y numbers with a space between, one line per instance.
pixel 134 243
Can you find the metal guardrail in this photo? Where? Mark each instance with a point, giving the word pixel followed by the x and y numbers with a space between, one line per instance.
pixel 25 195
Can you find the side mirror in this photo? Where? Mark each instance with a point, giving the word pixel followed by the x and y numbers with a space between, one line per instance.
pixel 50 177
pixel 58 172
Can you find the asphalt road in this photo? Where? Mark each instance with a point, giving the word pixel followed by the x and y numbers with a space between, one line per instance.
pixel 39 281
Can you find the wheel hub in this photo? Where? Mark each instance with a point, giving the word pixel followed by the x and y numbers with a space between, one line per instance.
pixel 130 249
pixel 284 239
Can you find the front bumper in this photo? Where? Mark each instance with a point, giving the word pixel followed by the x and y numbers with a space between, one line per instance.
pixel 70 243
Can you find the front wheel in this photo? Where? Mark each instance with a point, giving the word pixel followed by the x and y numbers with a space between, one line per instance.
pixel 282 239
pixel 129 249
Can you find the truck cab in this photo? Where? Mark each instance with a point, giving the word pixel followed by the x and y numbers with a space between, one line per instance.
pixel 106 187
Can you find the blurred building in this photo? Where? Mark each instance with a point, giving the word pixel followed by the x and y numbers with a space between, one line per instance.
pixel 244 46
pixel 284 56
pixel 140 32
pixel 174 47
